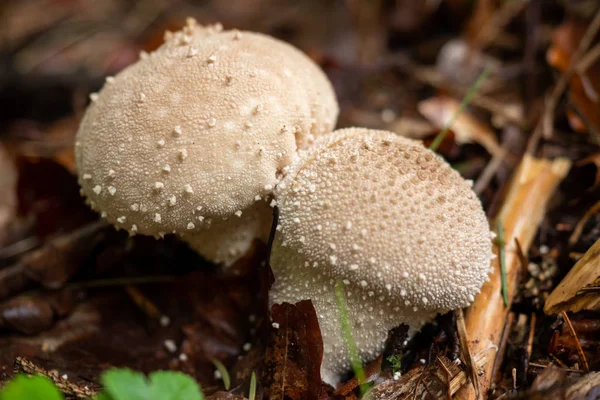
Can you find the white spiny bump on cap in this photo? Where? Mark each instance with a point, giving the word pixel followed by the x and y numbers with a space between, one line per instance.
pixel 435 227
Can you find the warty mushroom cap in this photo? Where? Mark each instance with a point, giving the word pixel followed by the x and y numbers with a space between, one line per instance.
pixel 225 241
pixel 389 218
pixel 199 129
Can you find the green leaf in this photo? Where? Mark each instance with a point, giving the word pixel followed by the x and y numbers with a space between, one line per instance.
pixel 169 385
pixel 30 388
pixel 125 384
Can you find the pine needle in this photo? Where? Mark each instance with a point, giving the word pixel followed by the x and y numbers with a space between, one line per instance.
pixel 463 104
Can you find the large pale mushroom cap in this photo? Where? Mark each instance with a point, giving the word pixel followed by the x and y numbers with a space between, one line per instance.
pixel 389 218
pixel 199 129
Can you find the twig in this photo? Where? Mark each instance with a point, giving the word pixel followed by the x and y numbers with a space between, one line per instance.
pixel 500 18
pixel 464 347
pixel 588 59
pixel 489 171
pixel 449 376
pixel 23 365
pixel 522 256
pixel 502 255
pixel 502 348
pixel 537 365
pixel 581 223
pixel 586 366
pixel 558 361
pixel 532 322
pixel 463 104
pixel 143 302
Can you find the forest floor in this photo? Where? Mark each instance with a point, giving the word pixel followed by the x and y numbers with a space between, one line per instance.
pixel 77 296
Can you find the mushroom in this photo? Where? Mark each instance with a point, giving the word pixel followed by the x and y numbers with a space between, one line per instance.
pixel 194 136
pixel 393 222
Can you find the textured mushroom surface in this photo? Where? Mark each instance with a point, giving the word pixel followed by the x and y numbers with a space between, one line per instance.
pixel 199 129
pixel 390 219
pixel 224 241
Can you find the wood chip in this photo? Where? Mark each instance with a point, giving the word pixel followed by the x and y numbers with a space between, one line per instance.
pixel 580 289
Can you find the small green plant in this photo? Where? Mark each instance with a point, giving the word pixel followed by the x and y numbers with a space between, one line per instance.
pixel 252 389
pixel 24 387
pixel 359 371
pixel 223 372
pixel 119 384
pixel 396 363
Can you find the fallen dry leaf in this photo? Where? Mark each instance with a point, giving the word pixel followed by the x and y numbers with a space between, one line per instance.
pixel 580 289
pixel 584 85
pixel 553 382
pixel 467 129
pixel 49 196
pixel 53 264
pixel 293 359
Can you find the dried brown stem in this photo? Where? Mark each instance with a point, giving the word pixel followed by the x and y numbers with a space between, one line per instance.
pixel 69 388
pixel 463 336
pixel 586 366
pixel 502 348
pixel 521 213
pixel 532 322
pixel 143 302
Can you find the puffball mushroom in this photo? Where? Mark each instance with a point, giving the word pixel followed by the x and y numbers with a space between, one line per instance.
pixel 390 219
pixel 194 136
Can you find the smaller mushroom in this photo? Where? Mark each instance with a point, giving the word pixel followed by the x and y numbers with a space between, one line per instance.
pixel 390 219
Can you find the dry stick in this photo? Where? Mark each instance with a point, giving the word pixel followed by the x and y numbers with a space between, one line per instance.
pixel 143 302
pixel 559 362
pixel 586 366
pixel 23 365
pixel 501 243
pixel 502 348
pixel 537 365
pixel 529 191
pixel 588 59
pixel 489 171
pixel 551 102
pixel 574 238
pixel 464 347
pixel 448 375
pixel 500 18
pixel 522 256
pixel 531 336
